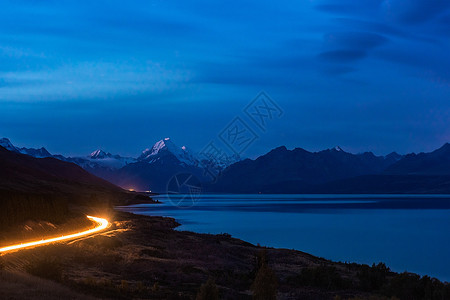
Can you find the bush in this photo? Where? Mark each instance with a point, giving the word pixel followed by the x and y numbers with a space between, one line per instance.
pixel 412 286
pixel 105 242
pixel 322 276
pixel 155 287
pixel 124 287
pixel 208 291
pixel 265 285
pixel 373 278
pixel 49 268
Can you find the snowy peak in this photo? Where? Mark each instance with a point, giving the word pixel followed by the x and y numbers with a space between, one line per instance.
pixel 99 154
pixel 38 153
pixel 166 147
pixel 336 149
pixel 161 146
pixel 6 143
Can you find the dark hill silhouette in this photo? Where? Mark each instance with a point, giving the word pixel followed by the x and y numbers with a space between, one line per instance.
pixel 46 188
pixel 433 163
pixel 302 168
pixel 335 171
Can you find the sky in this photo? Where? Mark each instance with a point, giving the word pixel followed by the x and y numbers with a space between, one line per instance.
pixel 370 75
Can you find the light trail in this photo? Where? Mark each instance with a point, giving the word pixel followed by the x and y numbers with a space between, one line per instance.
pixel 102 224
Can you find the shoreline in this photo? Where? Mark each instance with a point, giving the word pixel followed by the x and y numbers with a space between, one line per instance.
pixel 410 264
pixel 145 257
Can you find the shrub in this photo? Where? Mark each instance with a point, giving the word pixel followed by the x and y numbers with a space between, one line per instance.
pixel 124 287
pixel 373 278
pixel 49 268
pixel 412 286
pixel 265 285
pixel 322 276
pixel 140 287
pixel 155 287
pixel 208 291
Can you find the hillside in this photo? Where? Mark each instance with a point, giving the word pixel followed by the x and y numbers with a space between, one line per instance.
pixel 46 188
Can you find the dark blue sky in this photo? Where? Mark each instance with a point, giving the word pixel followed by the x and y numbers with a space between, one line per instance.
pixel 365 75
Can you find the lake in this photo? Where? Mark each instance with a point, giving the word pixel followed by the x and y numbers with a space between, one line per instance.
pixel 407 232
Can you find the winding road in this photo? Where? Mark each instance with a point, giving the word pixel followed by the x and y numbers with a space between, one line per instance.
pixel 102 224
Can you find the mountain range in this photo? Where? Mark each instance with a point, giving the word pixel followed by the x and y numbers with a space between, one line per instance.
pixel 279 171
pixel 335 171
pixel 151 171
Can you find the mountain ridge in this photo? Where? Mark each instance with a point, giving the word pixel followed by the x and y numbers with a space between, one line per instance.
pixel 278 171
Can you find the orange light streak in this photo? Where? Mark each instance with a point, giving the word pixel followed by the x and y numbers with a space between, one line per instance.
pixel 102 224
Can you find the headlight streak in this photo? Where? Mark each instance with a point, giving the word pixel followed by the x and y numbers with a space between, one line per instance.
pixel 103 224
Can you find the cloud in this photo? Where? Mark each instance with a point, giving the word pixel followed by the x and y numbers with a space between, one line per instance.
pixel 416 11
pixel 339 70
pixel 354 40
pixel 429 64
pixel 342 56
pixel 91 79
pixel 239 73
pixel 386 30
pixel 348 47
pixel 103 58
pixel 349 6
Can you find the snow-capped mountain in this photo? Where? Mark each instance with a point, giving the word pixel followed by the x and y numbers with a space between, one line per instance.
pixel 99 154
pixel 97 159
pixel 185 156
pixel 150 171
pixel 6 143
pixel 100 159
pixel 38 153
pixel 166 147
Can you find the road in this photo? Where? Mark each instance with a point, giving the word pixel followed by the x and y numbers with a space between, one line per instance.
pixel 102 224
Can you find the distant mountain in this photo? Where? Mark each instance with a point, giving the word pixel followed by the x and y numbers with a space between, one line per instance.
pixel 6 143
pixel 279 171
pixel 99 154
pixel 166 147
pixel 336 172
pixel 39 153
pixel 433 163
pixel 150 171
pixel 305 168
pixel 153 169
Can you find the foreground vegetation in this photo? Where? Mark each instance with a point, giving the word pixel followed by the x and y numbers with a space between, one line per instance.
pixel 143 257
pixel 16 208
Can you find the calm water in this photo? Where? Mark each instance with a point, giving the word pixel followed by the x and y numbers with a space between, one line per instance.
pixel 408 233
